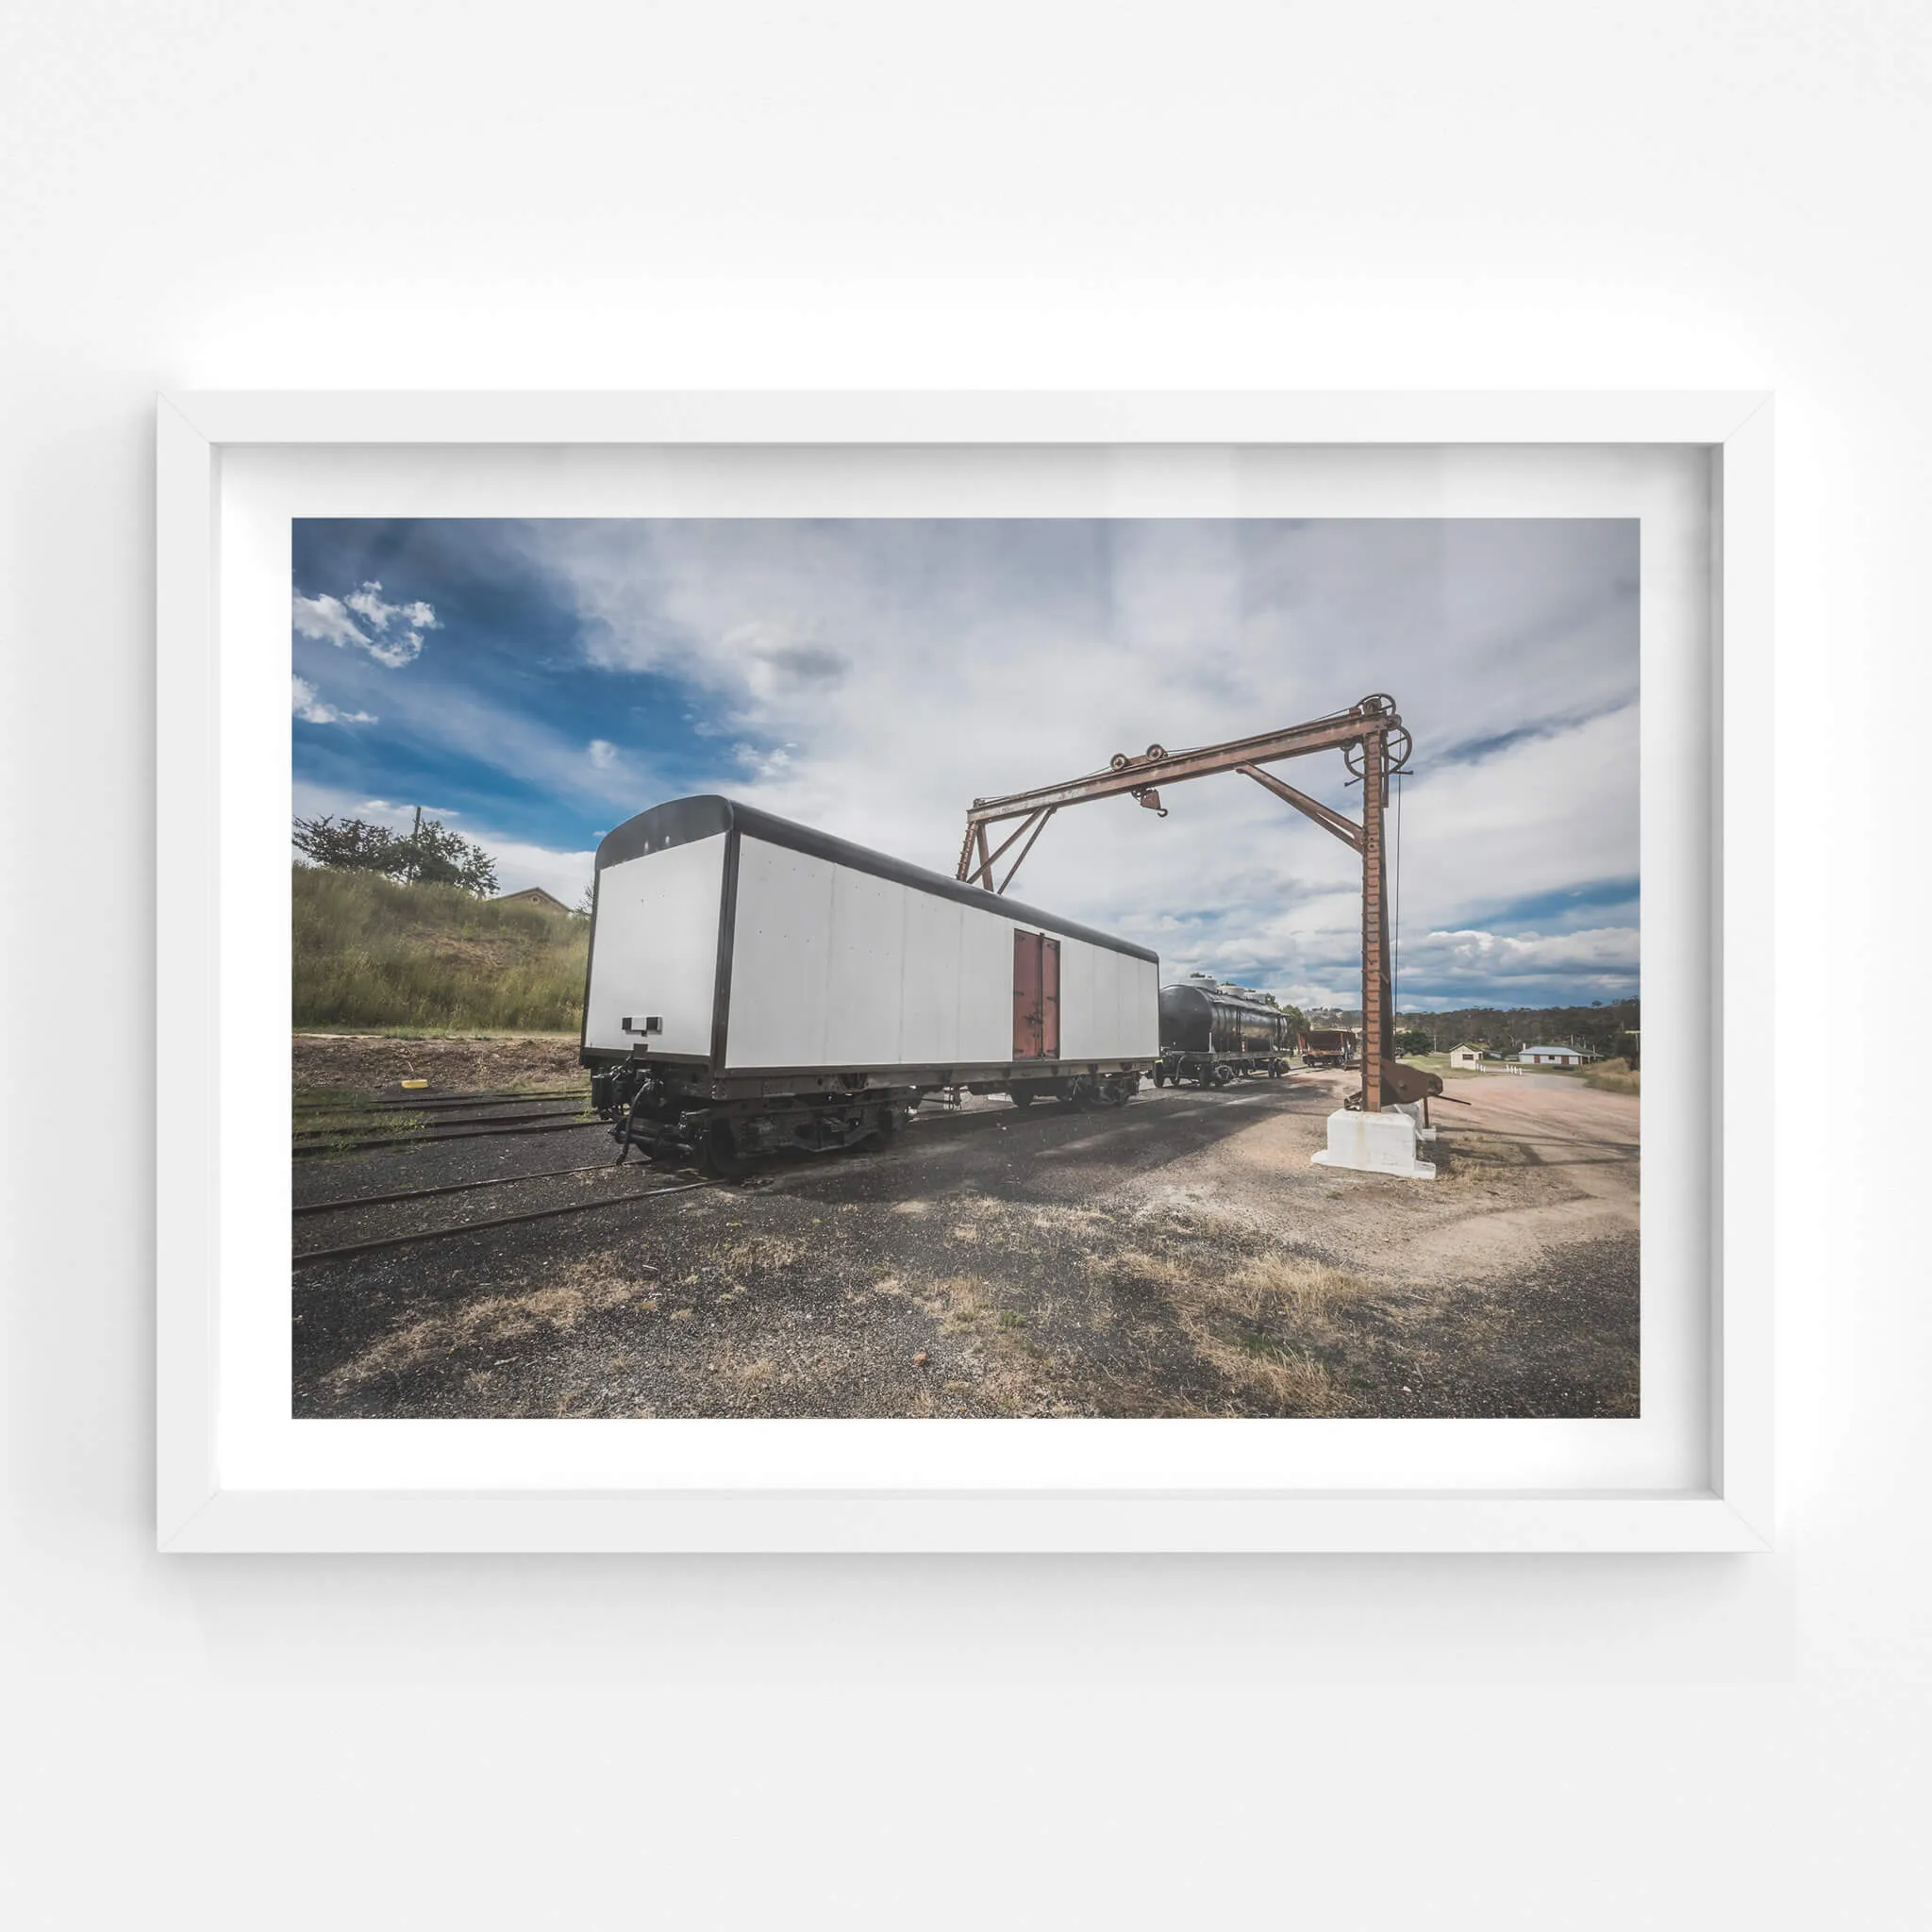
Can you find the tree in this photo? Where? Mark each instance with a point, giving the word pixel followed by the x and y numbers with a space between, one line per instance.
pixel 432 855
pixel 429 855
pixel 345 845
pixel 1412 1040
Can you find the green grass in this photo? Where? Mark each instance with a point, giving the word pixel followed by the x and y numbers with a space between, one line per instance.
pixel 1439 1063
pixel 370 953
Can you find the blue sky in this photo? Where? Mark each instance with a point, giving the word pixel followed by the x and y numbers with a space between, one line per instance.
pixel 534 683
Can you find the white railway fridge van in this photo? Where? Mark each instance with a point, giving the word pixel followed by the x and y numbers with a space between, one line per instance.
pixel 744 966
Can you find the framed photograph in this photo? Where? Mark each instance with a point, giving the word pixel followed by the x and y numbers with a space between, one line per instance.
pixel 964 972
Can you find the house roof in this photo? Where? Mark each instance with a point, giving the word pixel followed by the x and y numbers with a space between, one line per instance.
pixel 533 894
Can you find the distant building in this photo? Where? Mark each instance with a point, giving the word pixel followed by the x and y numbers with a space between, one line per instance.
pixel 1552 1056
pixel 1470 1056
pixel 534 896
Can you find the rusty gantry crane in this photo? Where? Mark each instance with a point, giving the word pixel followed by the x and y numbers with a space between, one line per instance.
pixel 1373 745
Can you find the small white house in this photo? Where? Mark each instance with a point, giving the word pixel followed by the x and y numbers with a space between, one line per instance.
pixel 1465 1056
pixel 1551 1056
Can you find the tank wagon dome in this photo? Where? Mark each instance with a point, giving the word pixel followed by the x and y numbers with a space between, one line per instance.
pixel 685 821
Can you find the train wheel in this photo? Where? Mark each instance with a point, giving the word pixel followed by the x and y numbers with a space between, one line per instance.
pixel 1161 1077
pixel 721 1158
pixel 1223 1075
pixel 1021 1096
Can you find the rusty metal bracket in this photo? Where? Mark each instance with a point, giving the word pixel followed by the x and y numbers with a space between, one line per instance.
pixel 1344 829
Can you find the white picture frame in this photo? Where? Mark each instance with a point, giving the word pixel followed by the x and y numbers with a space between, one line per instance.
pixel 198 1512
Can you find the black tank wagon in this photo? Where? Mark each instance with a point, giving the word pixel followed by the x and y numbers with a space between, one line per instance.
pixel 1211 1037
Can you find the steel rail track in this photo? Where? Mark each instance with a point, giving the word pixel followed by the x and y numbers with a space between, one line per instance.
pixel 508 1180
pixel 389 1104
pixel 309 1149
pixel 439 1233
pixel 479 1120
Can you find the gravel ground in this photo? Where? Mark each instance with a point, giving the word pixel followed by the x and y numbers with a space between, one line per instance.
pixel 1179 1257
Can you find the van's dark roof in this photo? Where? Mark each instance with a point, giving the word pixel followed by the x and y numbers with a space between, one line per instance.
pixel 684 821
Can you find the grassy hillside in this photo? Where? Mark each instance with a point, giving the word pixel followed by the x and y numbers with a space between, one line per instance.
pixel 372 953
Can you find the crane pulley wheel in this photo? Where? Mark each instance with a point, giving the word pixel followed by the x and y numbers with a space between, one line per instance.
pixel 1396 745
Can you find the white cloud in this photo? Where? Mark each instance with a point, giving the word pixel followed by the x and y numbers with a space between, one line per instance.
pixel 603 754
pixel 765 766
pixel 306 705
pixel 1593 957
pixel 391 633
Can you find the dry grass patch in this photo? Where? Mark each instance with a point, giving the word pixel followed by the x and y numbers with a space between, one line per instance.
pixel 1308 1294
pixel 1290 1382
pixel 962 1302
pixel 1614 1076
pixel 1235 1319
pixel 555 1308
pixel 766 1251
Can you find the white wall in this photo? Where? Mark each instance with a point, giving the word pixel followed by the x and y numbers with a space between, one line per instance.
pixel 1496 193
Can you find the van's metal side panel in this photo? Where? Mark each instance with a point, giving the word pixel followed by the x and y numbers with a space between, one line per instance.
pixel 930 1003
pixel 986 988
pixel 1081 1038
pixel 654 949
pixel 727 933
pixel 1141 1032
pixel 780 957
pixel 835 967
pixel 866 995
